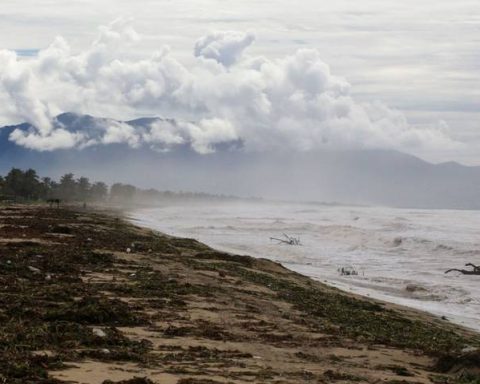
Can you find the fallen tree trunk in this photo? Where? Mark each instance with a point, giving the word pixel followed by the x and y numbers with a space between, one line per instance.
pixel 463 271
pixel 474 271
pixel 290 240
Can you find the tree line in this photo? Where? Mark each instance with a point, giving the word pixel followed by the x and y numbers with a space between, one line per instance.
pixel 19 185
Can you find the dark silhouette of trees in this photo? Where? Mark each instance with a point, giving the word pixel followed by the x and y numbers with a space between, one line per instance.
pixel 19 185
pixel 48 188
pixel 13 183
pixel 31 185
pixel 67 187
pixel 99 191
pixel 83 188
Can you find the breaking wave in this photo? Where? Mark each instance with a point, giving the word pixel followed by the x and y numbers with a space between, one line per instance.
pixel 398 255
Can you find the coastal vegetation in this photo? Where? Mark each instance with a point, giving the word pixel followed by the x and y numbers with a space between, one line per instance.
pixel 26 186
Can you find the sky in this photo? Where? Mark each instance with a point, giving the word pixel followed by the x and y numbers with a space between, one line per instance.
pixel 276 74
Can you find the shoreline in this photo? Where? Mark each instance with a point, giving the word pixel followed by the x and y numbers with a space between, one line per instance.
pixel 345 289
pixel 427 298
pixel 88 297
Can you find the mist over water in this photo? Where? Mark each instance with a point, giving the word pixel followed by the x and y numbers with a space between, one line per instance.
pixel 400 254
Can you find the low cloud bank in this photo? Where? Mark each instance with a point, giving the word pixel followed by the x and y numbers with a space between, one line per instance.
pixel 289 103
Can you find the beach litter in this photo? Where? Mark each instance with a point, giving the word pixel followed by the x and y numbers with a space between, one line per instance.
pixel 290 240
pixel 348 271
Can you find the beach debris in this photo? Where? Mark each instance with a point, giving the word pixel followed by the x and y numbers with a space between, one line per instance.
pixel 474 271
pixel 290 240
pixel 348 271
pixel 34 270
pixel 99 332
pixel 470 349
pixel 397 241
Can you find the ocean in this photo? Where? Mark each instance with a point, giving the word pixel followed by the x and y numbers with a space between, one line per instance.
pixel 398 255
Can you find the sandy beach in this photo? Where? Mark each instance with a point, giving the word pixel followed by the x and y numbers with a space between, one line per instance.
pixel 88 298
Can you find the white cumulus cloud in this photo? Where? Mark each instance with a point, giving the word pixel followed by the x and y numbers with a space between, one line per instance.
pixel 225 47
pixel 288 103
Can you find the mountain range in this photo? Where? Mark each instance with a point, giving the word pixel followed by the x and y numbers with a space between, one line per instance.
pixel 378 177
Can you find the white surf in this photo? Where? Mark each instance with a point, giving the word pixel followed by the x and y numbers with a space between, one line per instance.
pixel 400 254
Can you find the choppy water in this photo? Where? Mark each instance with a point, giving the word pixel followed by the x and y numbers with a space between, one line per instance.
pixel 390 248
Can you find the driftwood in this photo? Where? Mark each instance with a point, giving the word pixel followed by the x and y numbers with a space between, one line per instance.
pixel 288 240
pixel 348 271
pixel 474 271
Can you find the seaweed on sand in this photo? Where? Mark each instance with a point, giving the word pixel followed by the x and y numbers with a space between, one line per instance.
pixel 465 366
pixel 347 316
pixel 97 311
pixel 69 281
pixel 135 380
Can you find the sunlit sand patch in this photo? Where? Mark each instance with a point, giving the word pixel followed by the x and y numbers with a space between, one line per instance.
pixel 94 372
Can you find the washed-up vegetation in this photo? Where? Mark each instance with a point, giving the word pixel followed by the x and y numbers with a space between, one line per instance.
pixel 80 287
